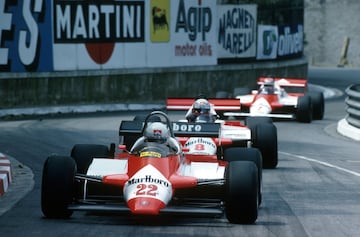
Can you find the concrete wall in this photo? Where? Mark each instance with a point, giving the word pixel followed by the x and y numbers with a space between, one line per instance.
pixel 327 23
pixel 136 85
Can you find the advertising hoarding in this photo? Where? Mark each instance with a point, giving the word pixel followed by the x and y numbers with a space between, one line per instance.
pixel 236 34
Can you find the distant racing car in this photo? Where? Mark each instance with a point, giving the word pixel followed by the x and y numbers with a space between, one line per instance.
pixel 156 176
pixel 281 98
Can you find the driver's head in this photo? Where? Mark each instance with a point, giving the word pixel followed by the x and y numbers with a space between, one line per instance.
pixel 269 82
pixel 156 132
pixel 201 106
pixel 268 85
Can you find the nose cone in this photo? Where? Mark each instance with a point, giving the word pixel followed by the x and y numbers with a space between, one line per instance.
pixel 145 206
pixel 260 107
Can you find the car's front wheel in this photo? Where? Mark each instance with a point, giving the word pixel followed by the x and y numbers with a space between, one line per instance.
pixel 57 190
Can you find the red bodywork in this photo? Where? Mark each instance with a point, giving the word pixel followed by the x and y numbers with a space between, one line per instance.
pixel 146 201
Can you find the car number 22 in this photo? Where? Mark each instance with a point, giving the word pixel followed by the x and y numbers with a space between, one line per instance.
pixel 147 189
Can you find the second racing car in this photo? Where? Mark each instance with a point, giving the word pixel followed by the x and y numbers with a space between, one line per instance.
pixel 258 132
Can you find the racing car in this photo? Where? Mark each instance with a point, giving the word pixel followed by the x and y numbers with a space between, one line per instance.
pixel 156 176
pixel 281 98
pixel 258 132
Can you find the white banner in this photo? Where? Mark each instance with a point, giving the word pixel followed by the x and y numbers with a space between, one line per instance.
pixel 236 34
pixel 130 34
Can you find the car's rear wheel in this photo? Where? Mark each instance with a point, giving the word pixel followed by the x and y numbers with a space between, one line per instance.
pixel 246 154
pixel 83 154
pixel 241 192
pixel 57 190
pixel 318 105
pixel 304 109
pixel 265 139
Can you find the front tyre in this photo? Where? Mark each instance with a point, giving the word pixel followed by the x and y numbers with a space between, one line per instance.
pixel 57 190
pixel 304 109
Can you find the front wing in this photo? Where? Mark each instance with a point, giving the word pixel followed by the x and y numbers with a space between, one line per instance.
pixel 179 205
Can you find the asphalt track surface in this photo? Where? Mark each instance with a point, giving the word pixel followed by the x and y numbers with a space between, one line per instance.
pixel 314 191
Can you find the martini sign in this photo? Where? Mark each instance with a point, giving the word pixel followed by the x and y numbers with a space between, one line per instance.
pixel 86 33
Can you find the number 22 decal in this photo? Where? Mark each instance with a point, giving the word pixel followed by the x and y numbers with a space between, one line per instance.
pixel 146 189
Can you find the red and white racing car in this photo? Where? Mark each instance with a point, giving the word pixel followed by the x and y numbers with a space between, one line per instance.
pixel 258 132
pixel 155 180
pixel 281 98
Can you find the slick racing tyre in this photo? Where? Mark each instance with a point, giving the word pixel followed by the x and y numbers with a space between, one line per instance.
pixel 265 139
pixel 246 154
pixel 241 192
pixel 83 155
pixel 304 109
pixel 318 105
pixel 57 190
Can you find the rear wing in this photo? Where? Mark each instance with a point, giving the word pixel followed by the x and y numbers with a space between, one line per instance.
pixel 291 85
pixel 180 129
pixel 219 104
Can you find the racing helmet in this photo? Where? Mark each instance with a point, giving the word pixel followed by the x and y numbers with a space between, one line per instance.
pixel 201 106
pixel 156 132
pixel 268 85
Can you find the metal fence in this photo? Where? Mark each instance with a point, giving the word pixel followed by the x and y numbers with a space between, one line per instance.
pixel 353 105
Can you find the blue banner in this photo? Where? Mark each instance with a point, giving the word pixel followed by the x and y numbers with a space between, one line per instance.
pixel 25 36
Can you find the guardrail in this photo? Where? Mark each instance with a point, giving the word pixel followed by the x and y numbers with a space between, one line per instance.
pixel 353 105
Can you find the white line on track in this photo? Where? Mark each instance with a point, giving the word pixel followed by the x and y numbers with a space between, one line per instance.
pixel 322 163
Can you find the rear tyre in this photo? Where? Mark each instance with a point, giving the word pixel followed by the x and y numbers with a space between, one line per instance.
pixel 246 154
pixel 304 109
pixel 83 155
pixel 241 192
pixel 57 190
pixel 265 139
pixel 318 105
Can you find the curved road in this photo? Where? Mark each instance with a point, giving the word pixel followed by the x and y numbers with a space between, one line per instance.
pixel 313 192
